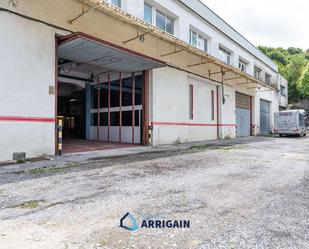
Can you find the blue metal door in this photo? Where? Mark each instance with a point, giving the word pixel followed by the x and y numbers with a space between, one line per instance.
pixel 243 115
pixel 264 117
pixel 243 122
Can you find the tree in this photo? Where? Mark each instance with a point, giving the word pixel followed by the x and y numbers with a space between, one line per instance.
pixel 303 82
pixel 293 73
pixel 293 65
pixel 292 50
pixel 278 56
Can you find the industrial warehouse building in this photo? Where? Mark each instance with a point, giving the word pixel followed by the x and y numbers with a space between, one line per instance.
pixel 126 72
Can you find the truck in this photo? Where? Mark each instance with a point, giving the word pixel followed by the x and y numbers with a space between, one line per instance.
pixel 290 122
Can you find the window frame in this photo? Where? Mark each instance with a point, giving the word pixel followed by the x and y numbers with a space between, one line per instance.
pixel 168 20
pixel 151 9
pixel 227 54
pixel 243 64
pixel 112 2
pixel 283 91
pixel 267 78
pixel 257 73
pixel 204 41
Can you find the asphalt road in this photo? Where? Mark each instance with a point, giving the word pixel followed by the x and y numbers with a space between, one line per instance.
pixel 251 194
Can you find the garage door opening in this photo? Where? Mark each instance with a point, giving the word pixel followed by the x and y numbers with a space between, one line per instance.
pixel 243 115
pixel 102 94
pixel 71 108
pixel 264 117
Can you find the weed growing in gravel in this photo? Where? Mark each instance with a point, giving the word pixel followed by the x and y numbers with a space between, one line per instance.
pixel 52 170
pixel 29 204
pixel 20 161
pixel 200 147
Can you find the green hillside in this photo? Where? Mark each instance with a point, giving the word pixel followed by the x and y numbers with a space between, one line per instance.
pixel 293 64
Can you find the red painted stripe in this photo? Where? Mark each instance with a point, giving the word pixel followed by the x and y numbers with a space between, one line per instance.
pixel 27 119
pixel 190 124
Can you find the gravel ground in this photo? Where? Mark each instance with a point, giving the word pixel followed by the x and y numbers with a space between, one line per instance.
pixel 251 194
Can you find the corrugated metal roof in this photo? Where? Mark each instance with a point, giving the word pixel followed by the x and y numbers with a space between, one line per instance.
pixel 87 51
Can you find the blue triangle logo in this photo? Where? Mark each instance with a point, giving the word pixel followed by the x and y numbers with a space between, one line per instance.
pixel 129 222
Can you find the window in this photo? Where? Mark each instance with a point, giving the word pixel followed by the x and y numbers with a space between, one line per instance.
pixel 103 119
pixel 257 73
pixel 127 118
pixel 191 102
pixel 94 119
pixel 114 118
pixel 127 91
pixel 243 65
pixel 267 78
pixel 169 25
pixel 225 55
pixel 148 13
pixel 161 20
pixel 115 2
pixel 212 105
pixel 193 38
pixel 198 41
pixel 282 91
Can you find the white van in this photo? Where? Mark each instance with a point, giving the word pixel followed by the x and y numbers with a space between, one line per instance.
pixel 291 122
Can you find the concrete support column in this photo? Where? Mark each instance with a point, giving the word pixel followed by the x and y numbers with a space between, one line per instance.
pixel 219 101
pixel 87 108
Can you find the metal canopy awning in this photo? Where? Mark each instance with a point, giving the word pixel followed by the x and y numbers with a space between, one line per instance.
pixel 84 49
pixel 207 60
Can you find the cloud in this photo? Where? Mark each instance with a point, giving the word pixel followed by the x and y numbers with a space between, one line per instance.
pixel 277 23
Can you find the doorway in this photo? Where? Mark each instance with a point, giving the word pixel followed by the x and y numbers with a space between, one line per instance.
pixel 109 100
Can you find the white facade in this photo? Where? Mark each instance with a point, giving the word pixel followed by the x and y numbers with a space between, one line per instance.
pixel 185 19
pixel 170 108
pixel 219 35
pixel 27 81
pixel 27 72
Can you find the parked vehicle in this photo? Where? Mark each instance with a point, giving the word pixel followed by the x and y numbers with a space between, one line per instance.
pixel 291 122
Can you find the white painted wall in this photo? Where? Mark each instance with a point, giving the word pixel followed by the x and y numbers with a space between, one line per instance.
pixel 170 103
pixel 27 70
pixel 27 65
pixel 272 97
pixel 228 115
pixel 186 19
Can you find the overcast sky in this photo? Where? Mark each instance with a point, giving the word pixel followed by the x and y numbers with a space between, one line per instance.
pixel 276 23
